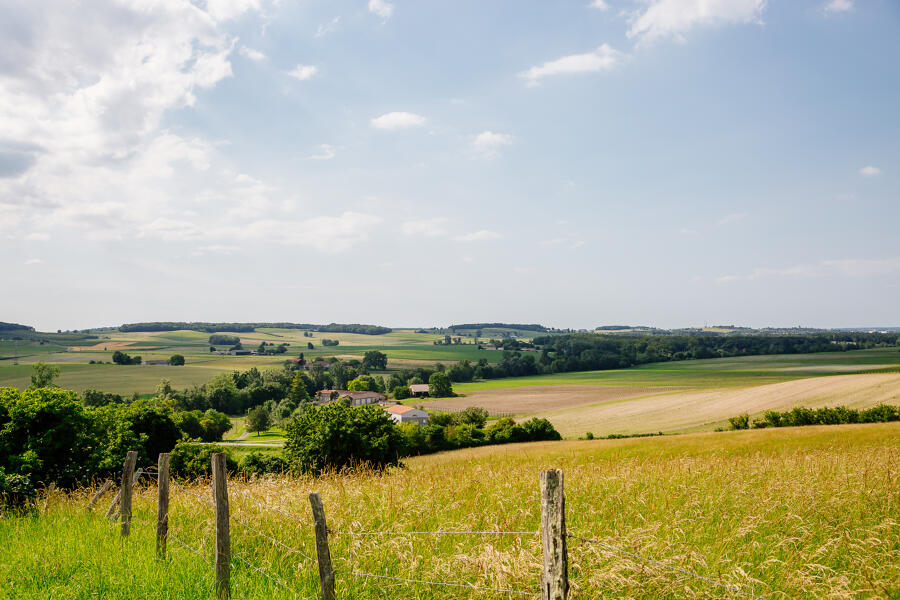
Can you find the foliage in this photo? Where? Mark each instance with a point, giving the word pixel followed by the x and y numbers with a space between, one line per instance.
pixel 208 426
pixel 263 463
pixel 838 415
pixel 15 489
pixel 91 397
pixel 375 360
pixel 42 375
pixel 258 419
pixel 327 342
pixel 120 358
pixel 334 436
pixel 358 385
pixel 401 392
pixel 191 460
pixel 176 360
pixel 14 327
pixel 439 386
pixel 221 339
pixel 740 421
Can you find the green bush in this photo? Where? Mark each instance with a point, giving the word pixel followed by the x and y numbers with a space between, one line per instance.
pixel 334 436
pixel 740 421
pixel 263 463
pixel 191 460
pixel 15 490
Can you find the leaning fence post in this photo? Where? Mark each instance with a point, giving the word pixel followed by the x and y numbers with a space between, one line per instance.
pixel 223 536
pixel 162 505
pixel 326 573
pixel 106 485
pixel 115 503
pixel 555 578
pixel 125 498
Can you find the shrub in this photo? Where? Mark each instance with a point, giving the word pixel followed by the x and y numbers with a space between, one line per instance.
pixel 334 436
pixel 15 490
pixel 740 421
pixel 262 463
pixel 401 392
pixel 539 430
pixel 176 360
pixel 191 460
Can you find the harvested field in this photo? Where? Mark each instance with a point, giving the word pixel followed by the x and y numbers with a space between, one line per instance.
pixel 545 397
pixel 696 410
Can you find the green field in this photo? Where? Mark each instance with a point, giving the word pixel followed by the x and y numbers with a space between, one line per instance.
pixel 404 348
pixel 806 513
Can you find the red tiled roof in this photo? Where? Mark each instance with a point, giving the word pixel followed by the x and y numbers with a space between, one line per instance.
pixel 399 409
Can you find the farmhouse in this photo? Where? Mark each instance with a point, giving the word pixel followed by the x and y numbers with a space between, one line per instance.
pixel 356 398
pixel 407 414
pixel 417 390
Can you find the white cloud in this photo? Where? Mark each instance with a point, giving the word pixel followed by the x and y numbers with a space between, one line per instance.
pixel 34 261
pixel 381 8
pixel 326 152
pixel 838 6
pixel 37 237
pixel 222 10
pixel 326 28
pixel 488 144
pixel 732 218
pixel 599 5
pixel 826 268
pixel 425 227
pixel 251 54
pixel 869 171
pixel 398 120
pixel 482 235
pixel 603 58
pixel 674 18
pixel 303 72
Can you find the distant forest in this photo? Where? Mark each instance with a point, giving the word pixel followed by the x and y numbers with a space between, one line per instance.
pixel 14 327
pixel 586 352
pixel 248 327
pixel 523 327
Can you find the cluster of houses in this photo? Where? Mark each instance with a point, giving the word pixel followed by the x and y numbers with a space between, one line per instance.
pixel 399 413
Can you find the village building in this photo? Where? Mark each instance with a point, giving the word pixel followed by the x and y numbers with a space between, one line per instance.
pixel 417 390
pixel 407 414
pixel 356 398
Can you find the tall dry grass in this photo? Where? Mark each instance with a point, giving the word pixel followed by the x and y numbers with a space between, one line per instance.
pixel 792 513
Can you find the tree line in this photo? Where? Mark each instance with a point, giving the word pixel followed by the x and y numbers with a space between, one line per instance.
pixel 209 327
pixel 798 417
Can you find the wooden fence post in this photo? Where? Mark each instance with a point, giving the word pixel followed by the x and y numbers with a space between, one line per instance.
pixel 326 573
pixel 125 498
pixel 223 535
pixel 555 578
pixel 162 505
pixel 115 503
pixel 106 485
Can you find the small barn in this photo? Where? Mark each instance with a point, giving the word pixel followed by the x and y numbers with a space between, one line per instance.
pixel 407 414
pixel 418 390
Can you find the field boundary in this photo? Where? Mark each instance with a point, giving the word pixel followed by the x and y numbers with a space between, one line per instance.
pixel 554 536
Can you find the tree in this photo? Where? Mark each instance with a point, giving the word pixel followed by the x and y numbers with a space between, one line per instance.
pixel 439 386
pixel 42 375
pixel 258 420
pixel 176 360
pixel 309 346
pixel 338 375
pixel 358 385
pixel 334 436
pixel 299 392
pixel 373 359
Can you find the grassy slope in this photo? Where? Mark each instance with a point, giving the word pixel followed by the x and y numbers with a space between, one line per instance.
pixel 800 513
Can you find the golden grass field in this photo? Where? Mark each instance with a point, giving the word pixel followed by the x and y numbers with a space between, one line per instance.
pixel 810 512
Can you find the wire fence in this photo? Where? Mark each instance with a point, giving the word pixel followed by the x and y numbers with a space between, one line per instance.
pixel 242 517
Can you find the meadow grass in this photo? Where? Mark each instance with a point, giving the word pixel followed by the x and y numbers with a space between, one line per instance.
pixel 791 513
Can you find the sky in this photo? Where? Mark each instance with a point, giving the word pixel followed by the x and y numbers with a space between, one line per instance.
pixel 412 163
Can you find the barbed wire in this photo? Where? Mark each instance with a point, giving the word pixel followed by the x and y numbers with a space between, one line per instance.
pixel 271 578
pixel 274 540
pixel 664 565
pixel 438 532
pixel 190 493
pixel 292 515
pixel 444 584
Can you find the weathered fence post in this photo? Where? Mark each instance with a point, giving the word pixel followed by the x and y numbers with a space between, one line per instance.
pixel 555 578
pixel 326 573
pixel 106 485
pixel 162 505
pixel 223 536
pixel 115 503
pixel 125 498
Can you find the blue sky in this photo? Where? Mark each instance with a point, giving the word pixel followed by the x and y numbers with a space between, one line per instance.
pixel 659 162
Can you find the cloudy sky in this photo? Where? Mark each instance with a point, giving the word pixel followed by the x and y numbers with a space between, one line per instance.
pixel 661 162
